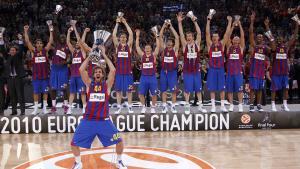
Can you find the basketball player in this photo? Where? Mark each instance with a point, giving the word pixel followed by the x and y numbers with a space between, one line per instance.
pixel 191 64
pixel 59 72
pixel 234 77
pixel 76 83
pixel 96 121
pixel 148 79
pixel 280 68
pixel 168 74
pixel 124 78
pixel 258 65
pixel 215 76
pixel 40 68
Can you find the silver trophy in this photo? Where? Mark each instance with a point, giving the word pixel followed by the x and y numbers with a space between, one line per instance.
pixel 120 14
pixel 154 29
pixel 58 8
pixel 168 21
pixel 100 37
pixel 211 13
pixel 296 18
pixel 191 15
pixel 2 29
pixel 269 35
pixel 95 56
pixel 237 19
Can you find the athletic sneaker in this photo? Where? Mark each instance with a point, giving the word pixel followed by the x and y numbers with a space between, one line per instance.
pixel 201 109
pixel 120 165
pixel 285 108
pixel 77 166
pixel 223 109
pixel 259 108
pixel 152 110
pixel 251 108
pixel 173 110
pixel 213 109
pixel 241 108
pixel 274 108
pixel 69 110
pixel 65 108
pixel 53 109
pixel 35 112
pixel 231 108
pixel 187 109
pixel 83 110
pixel 143 110
pixel 119 110
pixel 130 109
pixel 45 111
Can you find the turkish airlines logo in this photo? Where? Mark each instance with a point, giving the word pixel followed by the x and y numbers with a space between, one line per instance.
pixel 133 157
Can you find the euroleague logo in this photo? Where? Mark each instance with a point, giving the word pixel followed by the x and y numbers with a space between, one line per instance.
pixel 133 157
pixel 245 119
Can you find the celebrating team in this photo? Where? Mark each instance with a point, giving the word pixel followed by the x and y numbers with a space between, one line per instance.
pixel 166 50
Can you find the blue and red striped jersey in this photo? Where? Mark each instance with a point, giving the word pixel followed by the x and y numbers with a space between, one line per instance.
pixel 61 54
pixel 97 107
pixel 258 62
pixel 40 65
pixel 148 65
pixel 216 56
pixel 280 61
pixel 77 59
pixel 191 59
pixel 234 60
pixel 123 64
pixel 169 60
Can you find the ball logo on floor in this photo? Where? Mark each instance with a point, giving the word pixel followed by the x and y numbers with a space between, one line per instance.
pixel 245 119
pixel 133 157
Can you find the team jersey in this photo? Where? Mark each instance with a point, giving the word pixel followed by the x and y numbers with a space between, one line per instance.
pixel 234 60
pixel 77 59
pixel 191 59
pixel 169 60
pixel 60 55
pixel 280 61
pixel 40 65
pixel 258 62
pixel 216 56
pixel 123 64
pixel 148 65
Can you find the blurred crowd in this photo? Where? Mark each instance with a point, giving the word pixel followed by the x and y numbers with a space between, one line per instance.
pixel 143 14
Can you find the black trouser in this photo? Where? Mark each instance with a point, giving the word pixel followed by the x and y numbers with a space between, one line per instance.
pixel 16 93
pixel 2 95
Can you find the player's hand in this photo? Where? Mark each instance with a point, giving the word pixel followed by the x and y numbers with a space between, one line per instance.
pixel 70 29
pixel 180 17
pixel 252 17
pixel 229 18
pixel 102 48
pixel 137 32
pixel 26 28
pixel 118 20
pixel 87 30
pixel 123 20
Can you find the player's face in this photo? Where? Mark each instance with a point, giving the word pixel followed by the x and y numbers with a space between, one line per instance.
pixel 189 37
pixel 12 51
pixel 98 75
pixel 39 45
pixel 123 38
pixel 215 38
pixel 236 41
pixel 62 38
pixel 259 38
pixel 148 49
pixel 279 40
pixel 77 45
pixel 170 44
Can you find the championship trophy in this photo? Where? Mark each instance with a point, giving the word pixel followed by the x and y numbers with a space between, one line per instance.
pixel 49 23
pixel 2 29
pixel 154 29
pixel 269 35
pixel 120 14
pixel 296 18
pixel 100 37
pixel 168 21
pixel 58 8
pixel 236 19
pixel 191 15
pixel 211 13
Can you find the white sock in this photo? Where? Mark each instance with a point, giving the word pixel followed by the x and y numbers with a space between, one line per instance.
pixel 77 159
pixel 70 105
pixel 222 103
pixel 84 106
pixel 273 103
pixel 129 105
pixel 119 157
pixel 53 103
pixel 36 105
pixel 285 102
pixel 200 103
pixel 45 103
pixel 164 104
pixel 213 104
pixel 65 102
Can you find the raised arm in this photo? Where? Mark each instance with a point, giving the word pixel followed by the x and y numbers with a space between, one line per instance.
pixel 83 37
pixel 251 31
pixel 226 35
pixel 137 43
pixel 294 36
pixel 112 69
pixel 180 28
pixel 130 33
pixel 176 39
pixel 156 50
pixel 83 72
pixel 242 34
pixel 72 49
pixel 198 30
pixel 27 40
pixel 51 40
pixel 82 44
pixel 114 34
pixel 267 25
pixel 161 35
pixel 207 33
